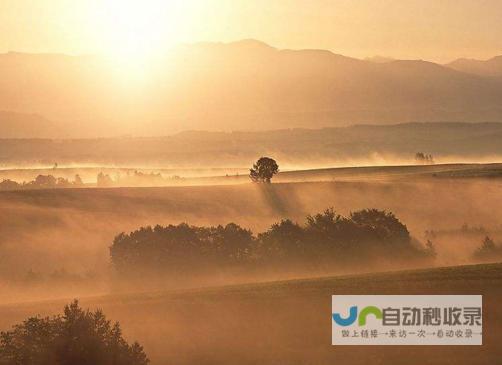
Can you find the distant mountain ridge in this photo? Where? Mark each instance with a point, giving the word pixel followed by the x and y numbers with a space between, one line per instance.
pixel 489 68
pixel 238 86
pixel 22 125
pixel 382 144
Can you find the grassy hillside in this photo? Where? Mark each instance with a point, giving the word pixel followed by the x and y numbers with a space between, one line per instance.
pixel 72 229
pixel 285 322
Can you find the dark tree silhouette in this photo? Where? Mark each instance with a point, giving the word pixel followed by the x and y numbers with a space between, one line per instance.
pixel 45 181
pixel 180 248
pixel 104 180
pixel 430 249
pixel 8 184
pixel 78 337
pixel 42 182
pixel 424 159
pixel 283 239
pixel 78 180
pixel 488 251
pixel 385 225
pixel 61 182
pixel 263 170
pixel 326 237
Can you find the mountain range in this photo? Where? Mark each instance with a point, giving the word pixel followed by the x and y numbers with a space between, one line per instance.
pixel 245 85
pixel 489 68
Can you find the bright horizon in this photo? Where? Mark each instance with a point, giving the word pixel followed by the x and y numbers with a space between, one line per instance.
pixel 137 31
pixel 129 82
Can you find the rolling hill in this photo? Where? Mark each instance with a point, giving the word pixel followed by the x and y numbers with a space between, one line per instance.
pixel 285 322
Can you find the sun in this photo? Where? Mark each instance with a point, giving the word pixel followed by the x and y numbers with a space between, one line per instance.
pixel 132 32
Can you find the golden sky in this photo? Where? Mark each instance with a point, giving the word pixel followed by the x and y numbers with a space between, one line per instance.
pixel 438 30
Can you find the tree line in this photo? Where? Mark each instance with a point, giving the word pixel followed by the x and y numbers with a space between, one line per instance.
pixel 324 238
pixel 262 171
pixel 42 182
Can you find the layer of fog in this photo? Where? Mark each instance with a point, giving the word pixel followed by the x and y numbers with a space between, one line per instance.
pixel 59 239
pixel 310 169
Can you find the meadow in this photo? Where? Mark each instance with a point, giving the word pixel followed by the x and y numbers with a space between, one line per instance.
pixel 284 322
pixel 55 247
pixel 70 230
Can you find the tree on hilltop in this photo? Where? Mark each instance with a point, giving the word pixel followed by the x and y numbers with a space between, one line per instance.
pixel 263 170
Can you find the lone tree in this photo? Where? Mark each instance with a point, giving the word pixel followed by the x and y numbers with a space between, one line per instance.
pixel 263 170
pixel 488 251
pixel 78 337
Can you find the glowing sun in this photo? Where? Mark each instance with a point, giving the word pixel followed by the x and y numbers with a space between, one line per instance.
pixel 133 32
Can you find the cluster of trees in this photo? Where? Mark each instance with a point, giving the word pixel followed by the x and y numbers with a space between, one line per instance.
pixel 42 182
pixel 104 180
pixel 32 277
pixel 132 179
pixel 325 238
pixel 465 230
pixel 78 337
pixel 262 171
pixel 424 159
pixel 181 247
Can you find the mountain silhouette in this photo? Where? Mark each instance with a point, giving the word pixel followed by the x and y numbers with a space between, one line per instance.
pixel 490 68
pixel 20 125
pixel 244 85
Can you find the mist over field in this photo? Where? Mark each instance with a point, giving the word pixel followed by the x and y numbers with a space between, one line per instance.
pixel 294 148
pixel 196 182
pixel 64 235
pixel 157 231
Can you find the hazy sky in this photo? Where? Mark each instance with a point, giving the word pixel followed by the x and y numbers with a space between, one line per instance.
pixel 438 30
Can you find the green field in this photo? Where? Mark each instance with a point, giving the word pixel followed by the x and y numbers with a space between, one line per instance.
pixel 285 322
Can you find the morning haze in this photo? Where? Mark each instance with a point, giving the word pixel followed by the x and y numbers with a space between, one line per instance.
pixel 207 174
pixel 412 29
pixel 244 85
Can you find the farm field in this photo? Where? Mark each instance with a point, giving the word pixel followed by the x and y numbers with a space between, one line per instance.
pixel 72 229
pixel 233 175
pixel 274 317
pixel 285 322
